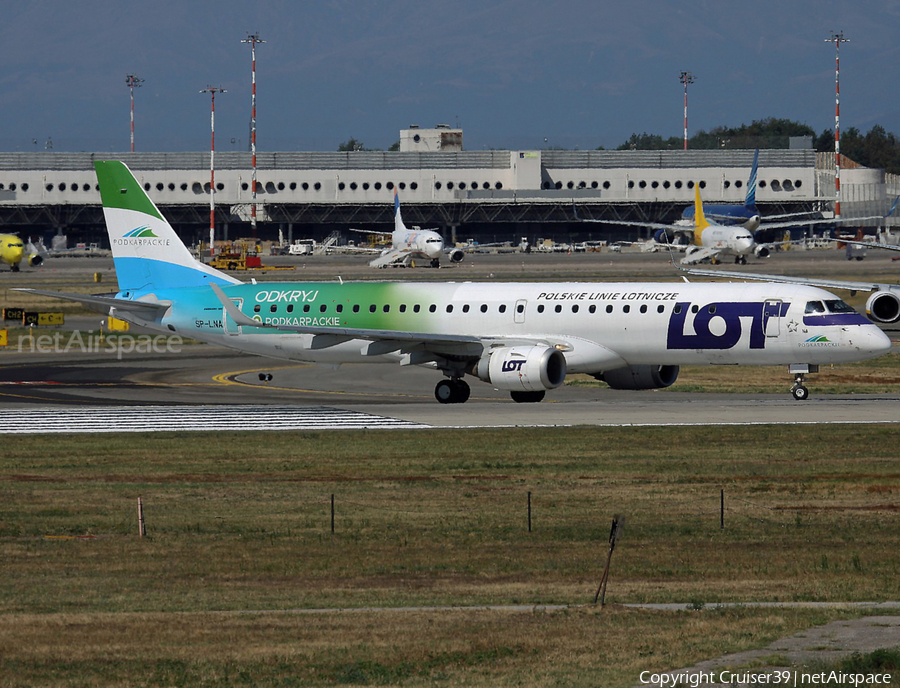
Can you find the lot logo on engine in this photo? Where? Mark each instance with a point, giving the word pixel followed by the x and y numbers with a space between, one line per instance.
pixel 512 366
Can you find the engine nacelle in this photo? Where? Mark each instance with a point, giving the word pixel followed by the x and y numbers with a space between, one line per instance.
pixel 884 306
pixel 523 368
pixel 455 255
pixel 761 251
pixel 640 377
pixel 35 259
pixel 661 236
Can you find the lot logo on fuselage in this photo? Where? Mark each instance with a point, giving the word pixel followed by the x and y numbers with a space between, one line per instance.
pixel 734 316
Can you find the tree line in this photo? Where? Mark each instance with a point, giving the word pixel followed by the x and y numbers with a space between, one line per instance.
pixel 878 148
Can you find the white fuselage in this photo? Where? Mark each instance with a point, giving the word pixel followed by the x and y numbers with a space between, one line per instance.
pixel 597 326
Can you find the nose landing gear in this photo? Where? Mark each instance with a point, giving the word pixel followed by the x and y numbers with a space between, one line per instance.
pixel 798 391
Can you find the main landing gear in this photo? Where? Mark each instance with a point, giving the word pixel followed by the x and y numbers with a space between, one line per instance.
pixel 453 391
pixel 798 391
pixel 740 260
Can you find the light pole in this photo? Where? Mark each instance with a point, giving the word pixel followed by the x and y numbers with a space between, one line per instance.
pixel 253 39
pixel 837 40
pixel 212 90
pixel 685 78
pixel 132 80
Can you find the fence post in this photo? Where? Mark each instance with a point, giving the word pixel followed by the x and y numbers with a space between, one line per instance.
pixel 142 530
pixel 529 511
pixel 332 514
pixel 722 509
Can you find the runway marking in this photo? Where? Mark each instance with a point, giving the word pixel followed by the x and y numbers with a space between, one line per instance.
pixel 98 419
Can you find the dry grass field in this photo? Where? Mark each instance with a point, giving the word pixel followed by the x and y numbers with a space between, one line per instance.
pixel 240 547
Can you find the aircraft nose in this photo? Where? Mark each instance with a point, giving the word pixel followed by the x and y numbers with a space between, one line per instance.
pixel 877 342
pixel 434 250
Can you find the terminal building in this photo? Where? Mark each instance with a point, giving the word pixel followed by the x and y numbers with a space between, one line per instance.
pixel 489 195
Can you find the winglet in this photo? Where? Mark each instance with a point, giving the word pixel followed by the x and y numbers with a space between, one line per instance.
pixel 700 222
pixel 239 318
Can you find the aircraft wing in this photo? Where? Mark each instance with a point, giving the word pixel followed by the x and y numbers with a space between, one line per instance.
pixel 870 244
pixel 812 282
pixel 699 255
pixel 370 231
pixel 391 256
pixel 146 310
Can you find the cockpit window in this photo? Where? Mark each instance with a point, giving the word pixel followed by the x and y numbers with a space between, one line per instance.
pixel 432 241
pixel 838 306
pixel 813 307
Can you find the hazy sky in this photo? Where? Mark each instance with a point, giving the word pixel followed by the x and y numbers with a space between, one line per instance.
pixel 512 73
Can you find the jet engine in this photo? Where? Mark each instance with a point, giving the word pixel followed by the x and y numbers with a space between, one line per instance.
pixel 884 306
pixel 35 259
pixel 456 255
pixel 761 251
pixel 523 368
pixel 640 377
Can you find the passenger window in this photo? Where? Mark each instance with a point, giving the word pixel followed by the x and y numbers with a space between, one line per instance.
pixel 626 309
pixel 520 308
pixel 273 308
pixel 502 308
pixel 306 308
pixel 660 308
pixel 575 308
pixel 540 308
pixel 339 308
pixel 386 308
pixel 449 307
pixel 322 308
pixel 290 308
pixel 484 308
pixel 403 308
pixel 356 308
pixel 416 308
pixel 558 308
pixel 466 308
pixel 593 308
pixel 372 308
pixel 677 309
pixel 644 308
pixel 609 309
pixel 432 308
pixel 256 308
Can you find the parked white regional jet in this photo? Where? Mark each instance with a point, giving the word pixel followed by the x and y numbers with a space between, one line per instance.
pixel 409 244
pixel 520 337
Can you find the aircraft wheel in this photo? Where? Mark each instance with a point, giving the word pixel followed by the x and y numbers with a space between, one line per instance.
pixel 800 393
pixel 444 392
pixel 435 263
pixel 462 392
pixel 14 268
pixel 859 257
pixel 527 397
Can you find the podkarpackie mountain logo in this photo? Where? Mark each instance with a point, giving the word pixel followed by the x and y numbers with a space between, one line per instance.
pixel 140 232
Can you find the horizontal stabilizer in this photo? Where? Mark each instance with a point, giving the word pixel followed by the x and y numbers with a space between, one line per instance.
pixel 146 310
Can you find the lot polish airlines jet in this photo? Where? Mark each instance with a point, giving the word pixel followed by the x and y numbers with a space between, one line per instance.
pixel 519 337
